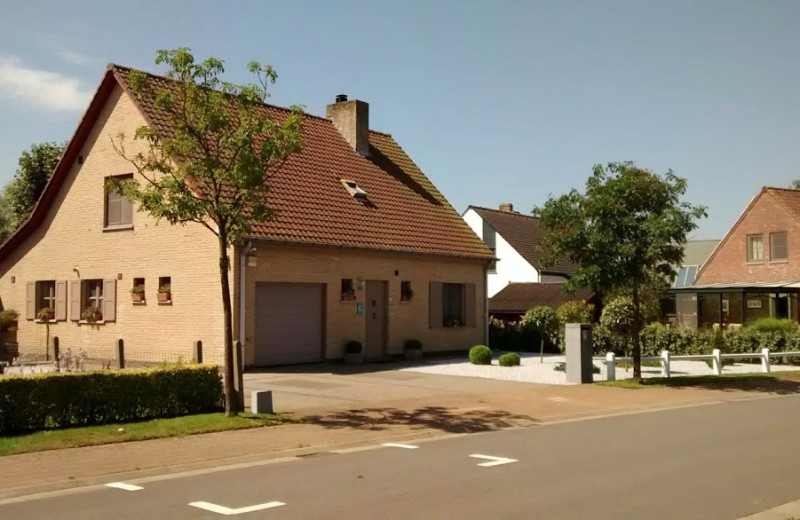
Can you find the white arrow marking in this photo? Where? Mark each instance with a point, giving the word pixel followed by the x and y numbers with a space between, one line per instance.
pixel 404 446
pixel 122 485
pixel 495 461
pixel 214 508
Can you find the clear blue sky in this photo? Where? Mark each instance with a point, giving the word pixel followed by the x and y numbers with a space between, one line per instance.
pixel 496 101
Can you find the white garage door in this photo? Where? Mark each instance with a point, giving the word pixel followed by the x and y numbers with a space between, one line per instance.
pixel 288 323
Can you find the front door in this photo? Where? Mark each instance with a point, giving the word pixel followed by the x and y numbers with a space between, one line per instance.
pixel 376 318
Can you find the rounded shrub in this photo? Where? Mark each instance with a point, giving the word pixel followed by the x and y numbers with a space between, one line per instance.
pixel 509 359
pixel 412 344
pixel 352 347
pixel 480 355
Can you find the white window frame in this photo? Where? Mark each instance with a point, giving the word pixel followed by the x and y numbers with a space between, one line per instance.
pixel 751 256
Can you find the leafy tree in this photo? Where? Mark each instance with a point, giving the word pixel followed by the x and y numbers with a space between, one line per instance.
pixel 213 166
pixel 617 316
pixel 628 227
pixel 795 184
pixel 576 311
pixel 35 168
pixel 544 322
pixel 7 222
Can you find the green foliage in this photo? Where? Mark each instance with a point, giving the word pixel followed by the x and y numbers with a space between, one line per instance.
pixel 618 315
pixel 576 311
pixel 543 321
pixel 480 355
pixel 61 400
pixel 509 359
pixel 773 325
pixel 412 344
pixel 166 288
pixel 562 367
pixel 91 314
pixel 353 347
pixel 8 319
pixel 45 313
pixel 35 168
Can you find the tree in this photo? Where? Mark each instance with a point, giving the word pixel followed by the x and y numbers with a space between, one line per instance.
pixel 35 168
pixel 627 228
pixel 544 322
pixel 795 184
pixel 213 165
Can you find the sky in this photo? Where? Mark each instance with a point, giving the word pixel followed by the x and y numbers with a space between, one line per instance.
pixel 496 101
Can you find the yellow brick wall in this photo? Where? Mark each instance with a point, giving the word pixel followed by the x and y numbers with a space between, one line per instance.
pixel 406 320
pixel 71 244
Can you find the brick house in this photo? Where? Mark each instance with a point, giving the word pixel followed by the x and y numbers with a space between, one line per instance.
pixel 754 271
pixel 363 247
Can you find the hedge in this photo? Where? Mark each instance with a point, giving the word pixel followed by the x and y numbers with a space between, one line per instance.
pixel 60 400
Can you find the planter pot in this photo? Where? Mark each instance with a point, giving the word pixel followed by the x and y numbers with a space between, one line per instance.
pixel 164 296
pixel 354 359
pixel 413 354
pixel 137 297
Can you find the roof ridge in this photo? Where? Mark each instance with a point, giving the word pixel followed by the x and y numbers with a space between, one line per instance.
pixel 780 188
pixel 501 212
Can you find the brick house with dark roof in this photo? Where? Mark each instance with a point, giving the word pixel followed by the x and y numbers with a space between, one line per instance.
pixel 362 247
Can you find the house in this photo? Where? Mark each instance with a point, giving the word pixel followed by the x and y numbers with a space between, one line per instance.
pixel 362 247
pixel 515 239
pixel 511 303
pixel 754 271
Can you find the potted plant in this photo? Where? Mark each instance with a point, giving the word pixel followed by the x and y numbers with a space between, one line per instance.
pixel 412 349
pixel 92 314
pixel 137 294
pixel 349 296
pixel 453 322
pixel 165 293
pixel 353 354
pixel 407 295
pixel 46 314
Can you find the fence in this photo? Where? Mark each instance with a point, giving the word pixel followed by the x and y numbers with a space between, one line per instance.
pixel 716 358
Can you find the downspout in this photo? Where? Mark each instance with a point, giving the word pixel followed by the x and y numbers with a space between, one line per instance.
pixel 486 304
pixel 242 289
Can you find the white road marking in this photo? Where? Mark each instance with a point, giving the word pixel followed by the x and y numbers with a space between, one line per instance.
pixel 122 485
pixel 396 445
pixel 228 511
pixel 494 461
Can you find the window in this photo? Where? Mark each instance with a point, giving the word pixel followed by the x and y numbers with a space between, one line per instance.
pixel 406 292
pixel 778 246
pixel 755 248
pixel 46 300
pixel 348 290
pixel 164 290
pixel 119 212
pixel 45 295
pixel 91 300
pixel 354 189
pixel 452 304
pixel 137 291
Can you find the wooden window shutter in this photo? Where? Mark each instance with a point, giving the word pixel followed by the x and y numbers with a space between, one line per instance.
pixel 469 304
pixel 61 301
pixel 75 300
pixel 109 300
pixel 30 300
pixel 436 305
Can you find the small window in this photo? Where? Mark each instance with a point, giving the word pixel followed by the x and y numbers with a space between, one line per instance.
pixel 755 248
pixel 91 300
pixel 164 289
pixel 453 304
pixel 354 189
pixel 348 290
pixel 46 297
pixel 119 211
pixel 778 246
pixel 137 291
pixel 406 292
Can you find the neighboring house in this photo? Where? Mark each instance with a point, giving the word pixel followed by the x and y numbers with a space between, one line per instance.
pixel 515 239
pixel 363 247
pixel 511 303
pixel 754 272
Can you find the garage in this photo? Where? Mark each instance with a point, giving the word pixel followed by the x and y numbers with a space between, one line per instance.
pixel 288 323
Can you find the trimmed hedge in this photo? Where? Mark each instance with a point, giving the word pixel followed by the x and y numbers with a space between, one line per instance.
pixel 480 355
pixel 509 359
pixel 60 400
pixel 412 344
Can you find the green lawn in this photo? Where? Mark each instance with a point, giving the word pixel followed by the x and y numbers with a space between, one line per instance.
pixel 137 431
pixel 757 381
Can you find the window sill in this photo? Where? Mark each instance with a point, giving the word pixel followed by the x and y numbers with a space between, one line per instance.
pixel 161 302
pixel 755 262
pixel 118 227
pixel 141 302
pixel 37 320
pixel 84 322
pixel 786 261
pixel 406 301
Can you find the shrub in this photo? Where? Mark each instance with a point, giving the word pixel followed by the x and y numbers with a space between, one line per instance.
pixel 542 321
pixel 412 344
pixel 8 319
pixel 773 325
pixel 617 316
pixel 509 359
pixel 577 311
pixel 60 400
pixel 480 355
pixel 353 347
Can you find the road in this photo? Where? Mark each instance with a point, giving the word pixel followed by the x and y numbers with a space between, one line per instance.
pixel 714 461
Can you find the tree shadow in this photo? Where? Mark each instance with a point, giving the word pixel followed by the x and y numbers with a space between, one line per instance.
pixel 451 420
pixel 781 385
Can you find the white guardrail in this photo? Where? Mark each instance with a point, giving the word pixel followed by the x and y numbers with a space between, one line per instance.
pixel 716 358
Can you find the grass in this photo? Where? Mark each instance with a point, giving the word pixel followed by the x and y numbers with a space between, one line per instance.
pixel 136 431
pixel 726 381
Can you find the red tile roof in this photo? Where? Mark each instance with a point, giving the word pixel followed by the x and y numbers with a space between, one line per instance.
pixel 519 297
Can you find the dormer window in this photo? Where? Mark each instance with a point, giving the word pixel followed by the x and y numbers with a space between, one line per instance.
pixel 354 189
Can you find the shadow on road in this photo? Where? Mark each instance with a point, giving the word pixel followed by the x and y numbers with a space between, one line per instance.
pixel 450 420
pixel 781 385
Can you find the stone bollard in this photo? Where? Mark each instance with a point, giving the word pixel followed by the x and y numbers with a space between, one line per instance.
pixel 56 348
pixel 765 363
pixel 120 348
pixel 197 351
pixel 665 363
pixel 611 366
pixel 717 361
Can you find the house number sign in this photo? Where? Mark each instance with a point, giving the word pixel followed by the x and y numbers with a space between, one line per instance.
pixel 360 309
pixel 753 304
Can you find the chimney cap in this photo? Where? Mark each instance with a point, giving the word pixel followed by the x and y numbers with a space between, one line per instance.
pixel 341 97
pixel 507 207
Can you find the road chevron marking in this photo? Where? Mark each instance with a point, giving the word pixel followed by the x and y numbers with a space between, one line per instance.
pixel 396 445
pixel 122 485
pixel 494 461
pixel 228 511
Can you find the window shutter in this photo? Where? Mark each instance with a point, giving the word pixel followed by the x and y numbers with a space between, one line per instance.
pixel 435 305
pixel 75 300
pixel 30 300
pixel 109 300
pixel 469 304
pixel 61 301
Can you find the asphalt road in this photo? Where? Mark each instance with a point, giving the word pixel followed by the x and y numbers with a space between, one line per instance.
pixel 714 461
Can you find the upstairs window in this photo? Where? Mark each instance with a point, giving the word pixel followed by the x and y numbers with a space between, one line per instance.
pixel 779 246
pixel 755 248
pixel 119 211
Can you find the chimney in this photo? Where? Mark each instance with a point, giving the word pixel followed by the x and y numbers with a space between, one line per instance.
pixel 507 207
pixel 351 119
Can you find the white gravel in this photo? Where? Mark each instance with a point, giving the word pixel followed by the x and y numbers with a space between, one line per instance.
pixel 532 371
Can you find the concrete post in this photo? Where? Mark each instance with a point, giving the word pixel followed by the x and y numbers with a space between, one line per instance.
pixel 765 364
pixel 611 366
pixel 717 361
pixel 197 352
pixel 665 372
pixel 578 337
pixel 120 348
pixel 238 372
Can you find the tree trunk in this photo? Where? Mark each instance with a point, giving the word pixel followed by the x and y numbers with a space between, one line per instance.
pixel 231 400
pixel 637 347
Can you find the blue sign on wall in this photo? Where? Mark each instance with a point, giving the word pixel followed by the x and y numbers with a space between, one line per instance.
pixel 360 309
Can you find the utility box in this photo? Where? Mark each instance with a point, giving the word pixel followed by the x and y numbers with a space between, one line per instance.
pixel 261 401
pixel 578 337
